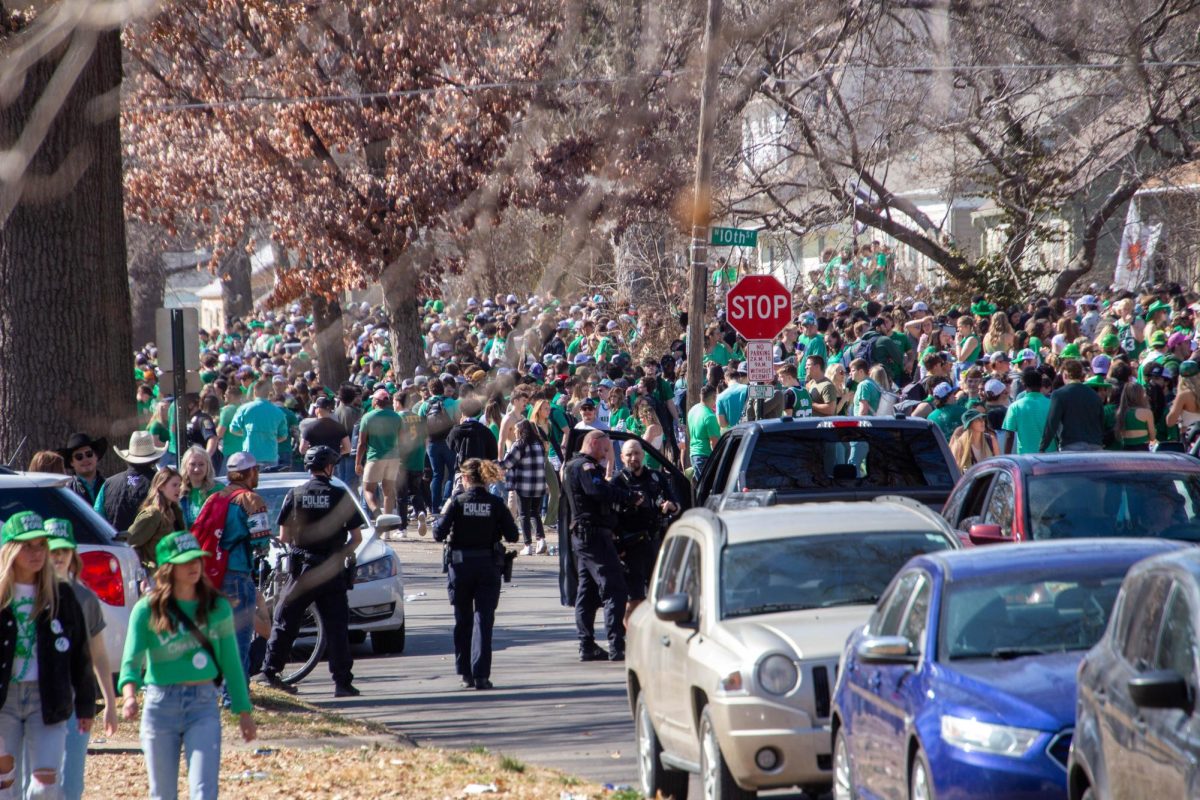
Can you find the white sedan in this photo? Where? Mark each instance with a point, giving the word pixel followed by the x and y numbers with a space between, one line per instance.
pixel 377 599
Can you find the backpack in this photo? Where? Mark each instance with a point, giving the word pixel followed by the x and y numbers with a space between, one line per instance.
pixel 863 349
pixel 914 391
pixel 437 421
pixel 887 404
pixel 208 528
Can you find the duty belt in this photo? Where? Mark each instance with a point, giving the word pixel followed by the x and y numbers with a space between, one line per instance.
pixel 475 553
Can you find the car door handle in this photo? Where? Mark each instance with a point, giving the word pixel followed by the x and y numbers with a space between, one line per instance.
pixel 664 640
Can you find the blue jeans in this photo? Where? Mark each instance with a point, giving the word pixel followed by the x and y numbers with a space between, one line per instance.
pixel 73 758
pixel 184 717
pixel 24 735
pixel 441 461
pixel 698 463
pixel 344 471
pixel 239 588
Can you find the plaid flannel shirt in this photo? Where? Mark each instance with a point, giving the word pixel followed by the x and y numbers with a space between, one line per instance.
pixel 525 468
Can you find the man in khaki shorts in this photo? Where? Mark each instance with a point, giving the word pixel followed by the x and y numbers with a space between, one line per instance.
pixel 378 457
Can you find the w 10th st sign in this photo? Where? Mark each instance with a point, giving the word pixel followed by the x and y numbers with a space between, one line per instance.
pixel 758 307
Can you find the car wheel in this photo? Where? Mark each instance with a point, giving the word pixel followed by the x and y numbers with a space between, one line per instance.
pixel 654 779
pixel 843 773
pixel 920 785
pixel 715 777
pixel 386 643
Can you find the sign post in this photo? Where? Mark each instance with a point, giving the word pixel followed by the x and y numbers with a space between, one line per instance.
pixel 180 328
pixel 759 307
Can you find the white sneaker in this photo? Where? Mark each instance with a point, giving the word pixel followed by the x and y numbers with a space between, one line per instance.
pixel 527 550
pixel 422 525
pixel 540 547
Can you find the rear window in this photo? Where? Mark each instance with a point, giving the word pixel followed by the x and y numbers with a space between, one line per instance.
pixel 1164 504
pixel 848 458
pixel 56 501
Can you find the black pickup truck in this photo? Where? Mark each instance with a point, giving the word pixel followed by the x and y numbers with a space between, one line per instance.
pixel 818 459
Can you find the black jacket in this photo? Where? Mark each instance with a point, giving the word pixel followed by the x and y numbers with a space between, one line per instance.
pixel 64 676
pixel 472 439
pixel 475 520
pixel 1076 415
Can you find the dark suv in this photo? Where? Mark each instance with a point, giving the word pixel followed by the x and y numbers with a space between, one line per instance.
pixel 818 459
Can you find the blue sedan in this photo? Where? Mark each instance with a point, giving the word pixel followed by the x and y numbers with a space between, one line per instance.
pixel 962 684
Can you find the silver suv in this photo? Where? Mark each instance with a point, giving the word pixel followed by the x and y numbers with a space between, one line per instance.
pixel 731 661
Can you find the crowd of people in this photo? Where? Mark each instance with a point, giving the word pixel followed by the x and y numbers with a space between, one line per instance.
pixel 474 444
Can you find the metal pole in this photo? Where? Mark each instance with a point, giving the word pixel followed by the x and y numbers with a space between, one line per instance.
pixel 702 208
pixel 180 373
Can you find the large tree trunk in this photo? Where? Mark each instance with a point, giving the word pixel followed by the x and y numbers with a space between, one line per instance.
pixel 148 286
pixel 400 288
pixel 237 298
pixel 65 330
pixel 331 345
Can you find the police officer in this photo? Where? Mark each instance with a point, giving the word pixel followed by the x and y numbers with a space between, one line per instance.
pixel 593 501
pixel 474 521
pixel 640 530
pixel 323 525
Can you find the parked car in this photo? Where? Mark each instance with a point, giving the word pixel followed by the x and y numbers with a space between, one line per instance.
pixel 377 599
pixel 962 684
pixel 1136 730
pixel 1071 495
pixel 812 459
pixel 730 663
pixel 111 568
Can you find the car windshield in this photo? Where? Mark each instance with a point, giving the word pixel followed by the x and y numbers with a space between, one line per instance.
pixel 1090 504
pixel 54 501
pixel 1050 613
pixel 816 571
pixel 848 458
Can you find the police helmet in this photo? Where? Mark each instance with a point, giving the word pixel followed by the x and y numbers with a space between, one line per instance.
pixel 319 457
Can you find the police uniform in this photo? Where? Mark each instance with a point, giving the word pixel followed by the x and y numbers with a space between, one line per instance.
pixel 474 521
pixel 600 573
pixel 323 516
pixel 640 531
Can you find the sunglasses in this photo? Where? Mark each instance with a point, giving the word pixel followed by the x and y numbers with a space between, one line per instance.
pixel 80 455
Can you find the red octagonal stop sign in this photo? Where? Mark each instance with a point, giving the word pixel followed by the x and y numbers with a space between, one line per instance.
pixel 759 307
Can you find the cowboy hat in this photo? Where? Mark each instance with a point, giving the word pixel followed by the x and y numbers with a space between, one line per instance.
pixel 141 449
pixel 78 440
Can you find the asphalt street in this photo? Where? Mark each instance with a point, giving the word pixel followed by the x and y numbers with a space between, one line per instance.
pixel 547 708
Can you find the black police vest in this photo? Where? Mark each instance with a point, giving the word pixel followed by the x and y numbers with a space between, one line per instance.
pixel 586 509
pixel 321 512
pixel 476 520
pixel 124 494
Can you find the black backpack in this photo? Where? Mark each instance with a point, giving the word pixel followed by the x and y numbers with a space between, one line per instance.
pixel 437 421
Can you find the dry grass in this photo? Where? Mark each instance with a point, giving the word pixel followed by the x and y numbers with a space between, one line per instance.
pixel 326 768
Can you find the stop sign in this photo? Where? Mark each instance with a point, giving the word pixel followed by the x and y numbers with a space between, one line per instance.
pixel 759 307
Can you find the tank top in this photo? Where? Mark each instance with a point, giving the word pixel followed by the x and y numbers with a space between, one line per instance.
pixel 1136 431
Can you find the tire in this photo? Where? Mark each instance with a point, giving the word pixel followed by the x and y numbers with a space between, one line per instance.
pixel 304 660
pixel 843 770
pixel 920 782
pixel 654 779
pixel 715 778
pixel 387 643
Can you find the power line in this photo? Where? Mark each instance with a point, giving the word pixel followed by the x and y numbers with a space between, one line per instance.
pixel 402 93
pixel 983 67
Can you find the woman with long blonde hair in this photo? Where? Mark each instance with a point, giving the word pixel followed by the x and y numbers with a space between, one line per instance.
pixel 159 515
pixel 45 663
pixel 199 483
pixel 999 337
pixel 181 647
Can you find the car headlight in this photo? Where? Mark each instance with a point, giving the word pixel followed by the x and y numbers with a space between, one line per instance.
pixel 777 674
pixel 376 570
pixel 984 737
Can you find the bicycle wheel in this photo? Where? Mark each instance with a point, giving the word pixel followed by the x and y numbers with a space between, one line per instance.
pixel 305 657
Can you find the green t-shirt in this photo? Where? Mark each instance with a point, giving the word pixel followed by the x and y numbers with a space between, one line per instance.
pixel 263 424
pixel 868 391
pixel 169 659
pixel 573 348
pixel 902 340
pixel 720 355
pixel 813 346
pixel 382 427
pixel 293 424
pixel 413 428
pixel 231 442
pixel 702 425
pixel 948 418
pixel 1026 419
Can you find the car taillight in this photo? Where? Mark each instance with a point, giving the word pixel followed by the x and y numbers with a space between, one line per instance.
pixel 845 423
pixel 102 574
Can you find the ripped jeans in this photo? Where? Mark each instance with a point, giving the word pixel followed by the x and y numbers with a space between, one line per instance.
pixel 22 733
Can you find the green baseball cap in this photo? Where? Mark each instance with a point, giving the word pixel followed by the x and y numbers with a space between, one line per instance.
pixel 1109 340
pixel 62 534
pixel 1158 339
pixel 24 526
pixel 179 547
pixel 1097 381
pixel 1070 351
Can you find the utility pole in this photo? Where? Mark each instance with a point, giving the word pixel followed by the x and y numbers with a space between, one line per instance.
pixel 702 208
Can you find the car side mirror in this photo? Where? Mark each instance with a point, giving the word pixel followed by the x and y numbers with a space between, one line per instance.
pixel 986 534
pixel 387 522
pixel 1160 689
pixel 675 608
pixel 886 650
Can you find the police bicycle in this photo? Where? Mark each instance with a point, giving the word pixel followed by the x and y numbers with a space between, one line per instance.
pixel 271 573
